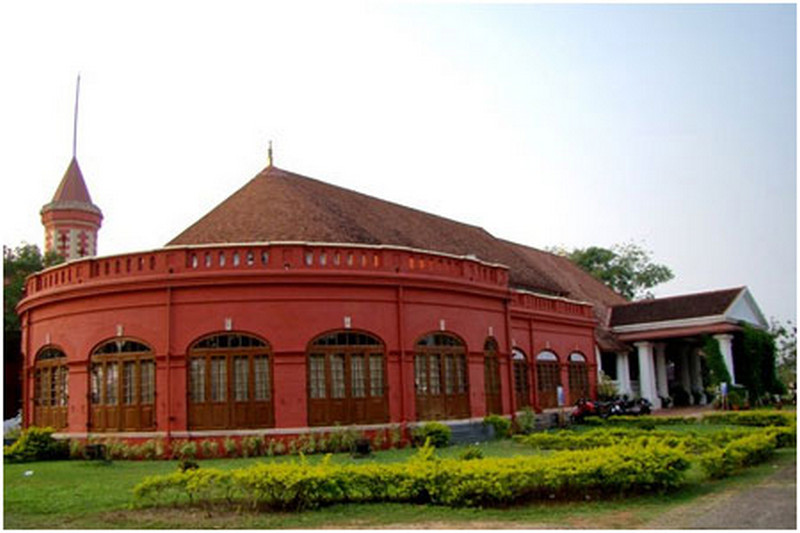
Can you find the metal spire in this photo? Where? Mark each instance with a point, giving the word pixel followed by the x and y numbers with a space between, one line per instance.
pixel 269 155
pixel 75 119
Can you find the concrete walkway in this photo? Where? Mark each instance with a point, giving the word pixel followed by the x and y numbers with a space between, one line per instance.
pixel 768 504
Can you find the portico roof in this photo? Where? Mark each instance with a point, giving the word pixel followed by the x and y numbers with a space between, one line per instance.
pixel 689 314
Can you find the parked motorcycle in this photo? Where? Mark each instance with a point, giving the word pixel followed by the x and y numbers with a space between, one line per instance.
pixel 584 408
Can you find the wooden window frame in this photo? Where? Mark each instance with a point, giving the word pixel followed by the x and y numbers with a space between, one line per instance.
pixel 121 415
pixel 441 350
pixel 492 384
pixel 341 402
pixel 50 390
pixel 213 360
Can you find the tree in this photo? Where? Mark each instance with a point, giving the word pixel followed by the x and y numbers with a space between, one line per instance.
pixel 19 263
pixel 785 336
pixel 626 268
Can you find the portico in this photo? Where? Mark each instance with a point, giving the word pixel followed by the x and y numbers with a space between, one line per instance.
pixel 665 336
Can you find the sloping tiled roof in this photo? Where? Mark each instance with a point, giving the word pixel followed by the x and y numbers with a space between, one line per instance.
pixel 72 191
pixel 278 205
pixel 696 305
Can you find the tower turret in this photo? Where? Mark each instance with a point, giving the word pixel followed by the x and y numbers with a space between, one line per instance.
pixel 71 221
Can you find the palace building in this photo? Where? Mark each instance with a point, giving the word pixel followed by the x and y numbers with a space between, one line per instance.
pixel 295 305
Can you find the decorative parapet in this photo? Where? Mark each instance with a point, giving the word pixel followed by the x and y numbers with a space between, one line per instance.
pixel 268 258
pixel 550 304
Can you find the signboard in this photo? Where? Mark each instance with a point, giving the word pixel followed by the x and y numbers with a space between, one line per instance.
pixel 560 395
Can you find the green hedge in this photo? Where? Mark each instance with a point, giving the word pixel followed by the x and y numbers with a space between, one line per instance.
pixel 438 433
pixel 636 467
pixel 36 444
pixel 752 418
pixel 746 451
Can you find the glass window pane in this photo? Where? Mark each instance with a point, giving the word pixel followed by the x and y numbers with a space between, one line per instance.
pixel 317 375
pixel 461 374
pixel 261 377
pixel 376 375
pixel 128 382
pixel 357 376
pixel 435 379
pixel 421 374
pixel 197 379
pixel 37 388
pixel 448 374
pixel 241 378
pixel 63 374
pixel 148 381
pixel 112 383
pixel 337 375
pixel 219 379
pixel 51 375
pixel 97 380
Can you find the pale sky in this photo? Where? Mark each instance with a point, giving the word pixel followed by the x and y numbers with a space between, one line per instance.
pixel 671 126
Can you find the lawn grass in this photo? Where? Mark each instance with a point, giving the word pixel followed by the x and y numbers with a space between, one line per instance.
pixel 81 494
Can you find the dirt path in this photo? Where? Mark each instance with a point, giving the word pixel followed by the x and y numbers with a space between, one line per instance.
pixel 769 504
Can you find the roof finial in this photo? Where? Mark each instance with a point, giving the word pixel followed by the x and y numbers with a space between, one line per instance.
pixel 269 155
pixel 75 118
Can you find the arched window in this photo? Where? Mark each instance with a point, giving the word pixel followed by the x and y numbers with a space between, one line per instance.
pixel 50 388
pixel 346 379
pixel 578 377
pixel 522 384
pixel 440 377
pixel 491 377
pixel 230 382
pixel 122 387
pixel 548 378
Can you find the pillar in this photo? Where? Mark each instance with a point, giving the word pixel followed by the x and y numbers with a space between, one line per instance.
pixel 725 342
pixel 599 358
pixel 623 373
pixel 647 378
pixel 696 374
pixel 686 380
pixel 661 369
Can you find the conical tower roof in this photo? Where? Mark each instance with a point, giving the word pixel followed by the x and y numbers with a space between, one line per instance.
pixel 72 192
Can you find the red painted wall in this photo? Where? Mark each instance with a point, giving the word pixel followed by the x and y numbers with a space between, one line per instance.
pixel 171 302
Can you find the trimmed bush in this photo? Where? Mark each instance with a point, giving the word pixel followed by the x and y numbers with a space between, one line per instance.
pixel 629 469
pixel 752 418
pixel 470 453
pixel 501 425
pixel 438 433
pixel 36 444
pixel 746 451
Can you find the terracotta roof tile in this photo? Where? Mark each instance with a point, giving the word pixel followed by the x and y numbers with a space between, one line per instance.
pixel 675 307
pixel 278 205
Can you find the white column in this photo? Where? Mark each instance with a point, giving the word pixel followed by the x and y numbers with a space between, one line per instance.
pixel 726 347
pixel 599 358
pixel 686 380
pixel 696 374
pixel 661 369
pixel 623 373
pixel 647 378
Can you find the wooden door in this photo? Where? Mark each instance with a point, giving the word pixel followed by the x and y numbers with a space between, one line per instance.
pixel 548 379
pixel 491 377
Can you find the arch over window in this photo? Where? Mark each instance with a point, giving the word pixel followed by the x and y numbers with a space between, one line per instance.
pixel 522 383
pixel 547 356
pixel 230 382
pixel 578 377
pixel 440 377
pixel 577 357
pixel 346 379
pixel 122 386
pixel 491 377
pixel 548 379
pixel 50 388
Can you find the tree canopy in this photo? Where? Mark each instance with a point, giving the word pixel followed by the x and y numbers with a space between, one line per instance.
pixel 19 263
pixel 626 268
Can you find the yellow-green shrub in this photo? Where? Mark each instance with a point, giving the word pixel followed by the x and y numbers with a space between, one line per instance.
pixel 640 465
pixel 746 451
pixel 752 418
